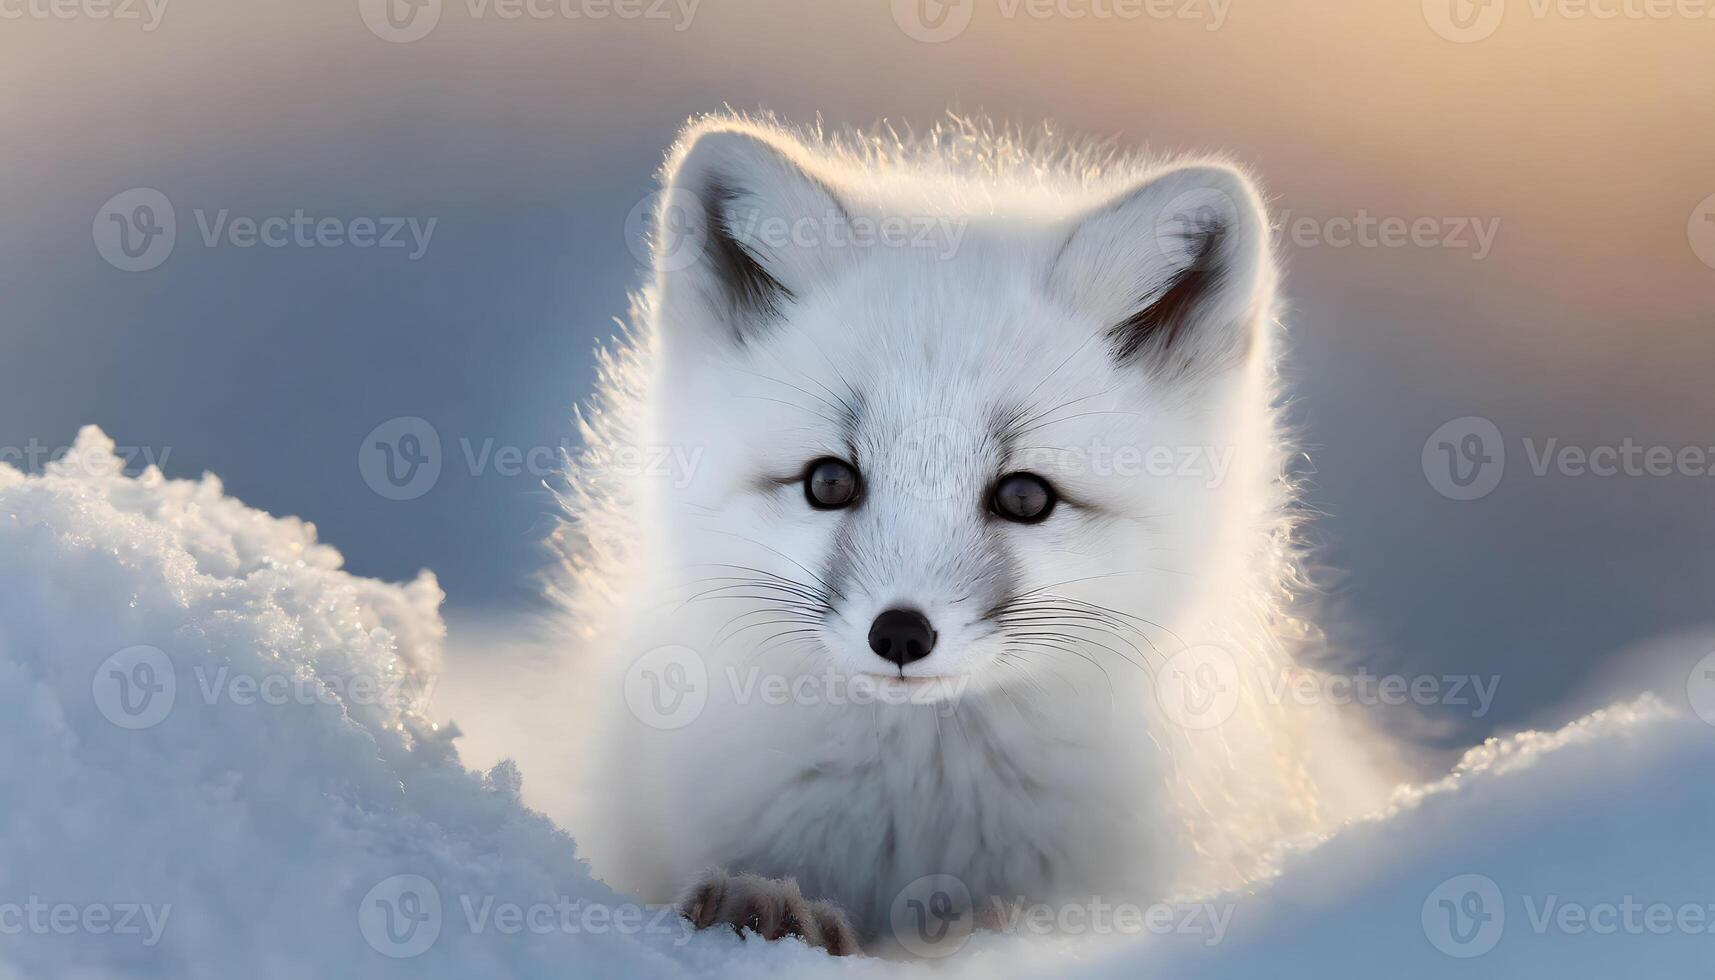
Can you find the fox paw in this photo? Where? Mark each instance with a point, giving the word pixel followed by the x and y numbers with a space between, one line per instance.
pixel 771 908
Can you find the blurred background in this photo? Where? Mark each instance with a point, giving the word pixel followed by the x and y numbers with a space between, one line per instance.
pixel 1501 209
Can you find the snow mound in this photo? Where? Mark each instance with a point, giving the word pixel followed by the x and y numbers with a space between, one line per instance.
pixel 217 760
pixel 215 734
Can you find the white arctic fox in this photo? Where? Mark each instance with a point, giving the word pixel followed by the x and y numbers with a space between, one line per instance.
pixel 969 559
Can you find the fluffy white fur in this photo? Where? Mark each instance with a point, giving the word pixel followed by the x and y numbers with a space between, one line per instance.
pixel 1042 759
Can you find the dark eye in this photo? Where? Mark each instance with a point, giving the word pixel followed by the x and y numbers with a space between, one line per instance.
pixel 830 483
pixel 1023 497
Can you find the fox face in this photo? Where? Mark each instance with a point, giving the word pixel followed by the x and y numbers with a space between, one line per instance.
pixel 942 442
pixel 986 487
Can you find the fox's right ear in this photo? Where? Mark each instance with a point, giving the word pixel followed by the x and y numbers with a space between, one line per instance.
pixel 743 228
pixel 1177 268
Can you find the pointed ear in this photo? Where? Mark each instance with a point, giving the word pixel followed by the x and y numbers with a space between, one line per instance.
pixel 745 228
pixel 1177 269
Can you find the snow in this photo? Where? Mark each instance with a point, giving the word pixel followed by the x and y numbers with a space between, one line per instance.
pixel 219 760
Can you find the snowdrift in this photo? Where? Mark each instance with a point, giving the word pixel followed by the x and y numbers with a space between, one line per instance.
pixel 217 759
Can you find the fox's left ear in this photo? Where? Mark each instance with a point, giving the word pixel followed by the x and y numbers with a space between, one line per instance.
pixel 1177 268
pixel 748 227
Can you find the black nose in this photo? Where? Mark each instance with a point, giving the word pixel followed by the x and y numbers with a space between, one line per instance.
pixel 902 636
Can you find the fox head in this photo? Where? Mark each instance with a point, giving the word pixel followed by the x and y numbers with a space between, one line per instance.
pixel 955 429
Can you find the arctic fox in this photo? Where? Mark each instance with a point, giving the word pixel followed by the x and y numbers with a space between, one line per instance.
pixel 969 562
